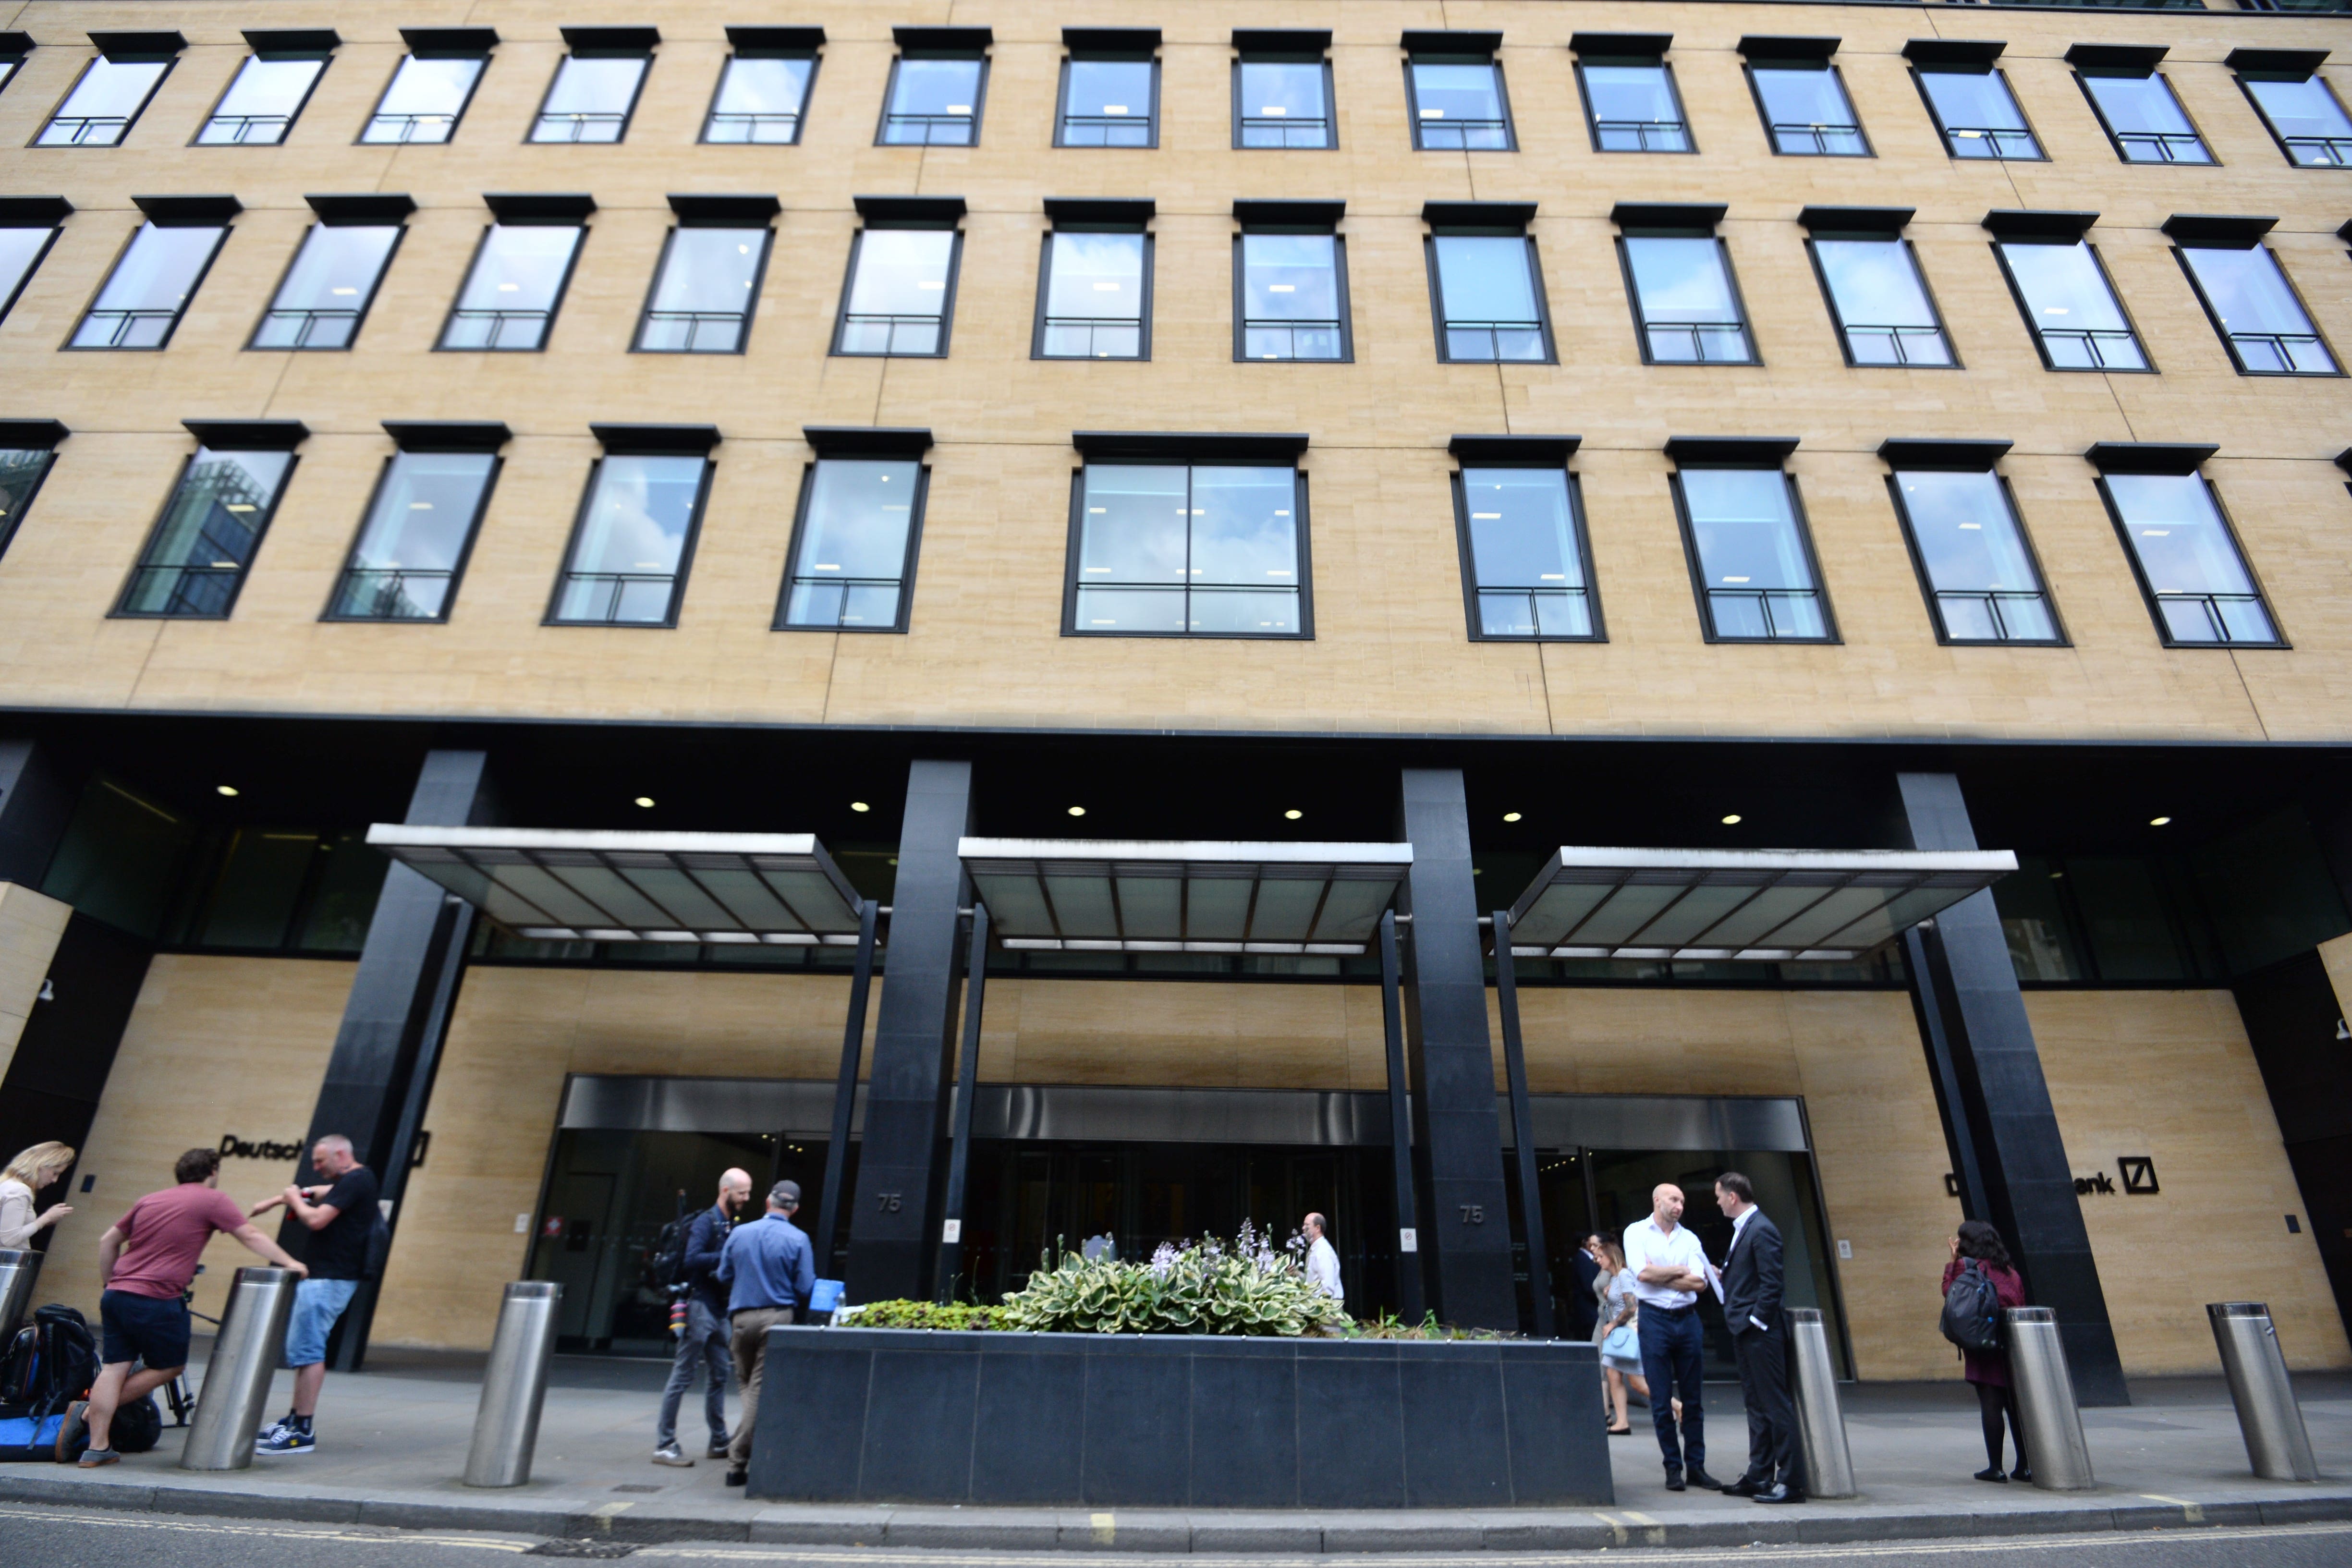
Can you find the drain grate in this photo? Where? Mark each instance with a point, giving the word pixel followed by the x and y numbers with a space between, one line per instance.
pixel 636 1487
pixel 601 1549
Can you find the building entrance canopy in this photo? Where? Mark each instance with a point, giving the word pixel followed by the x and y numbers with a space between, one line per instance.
pixel 1590 903
pixel 571 886
pixel 1114 895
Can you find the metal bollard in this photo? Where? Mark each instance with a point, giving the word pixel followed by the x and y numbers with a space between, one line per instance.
pixel 237 1378
pixel 1821 1417
pixel 18 1273
pixel 506 1428
pixel 2268 1416
pixel 2056 1449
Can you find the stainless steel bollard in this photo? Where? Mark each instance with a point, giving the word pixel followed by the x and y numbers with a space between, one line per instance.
pixel 2056 1449
pixel 2268 1416
pixel 1820 1416
pixel 506 1429
pixel 237 1378
pixel 18 1273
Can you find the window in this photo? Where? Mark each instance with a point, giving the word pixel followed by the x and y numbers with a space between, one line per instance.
pixel 939 86
pixel 763 89
pixel 28 226
pixel 596 89
pixel 1484 281
pixel 270 88
pixel 1802 99
pixel 1877 298
pixel 2136 105
pixel 2069 305
pixel 1979 574
pixel 139 304
pixel 1093 282
pixel 28 448
pixel 1686 306
pixel 1281 89
pixel 2302 111
pixel 1454 90
pixel 197 558
pixel 1750 558
pixel 519 273
pixel 707 281
pixel 1110 87
pixel 1188 549
pixel 112 90
pixel 434 83
pixel 852 565
pixel 900 297
pixel 1970 101
pixel 2245 292
pixel 634 536
pixel 420 524
pixel 326 292
pixel 1526 566
pixel 2181 547
pixel 1290 282
pixel 14 48
pixel 1630 101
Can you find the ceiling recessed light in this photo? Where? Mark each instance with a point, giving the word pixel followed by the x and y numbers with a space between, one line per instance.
pixel 645 799
pixel 2158 821
pixel 1510 816
pixel 228 789
pixel 1732 820
pixel 859 805
pixel 1077 810
pixel 1292 814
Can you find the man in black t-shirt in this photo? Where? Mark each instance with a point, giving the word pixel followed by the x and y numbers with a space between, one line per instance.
pixel 341 1215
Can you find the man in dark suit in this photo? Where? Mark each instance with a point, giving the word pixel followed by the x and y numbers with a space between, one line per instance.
pixel 1753 1309
pixel 1583 1306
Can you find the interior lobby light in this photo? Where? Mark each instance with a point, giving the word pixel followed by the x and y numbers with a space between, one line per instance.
pixel 1510 816
pixel 859 805
pixel 645 799
pixel 1077 810
pixel 228 789
pixel 1732 820
pixel 1292 814
pixel 2158 821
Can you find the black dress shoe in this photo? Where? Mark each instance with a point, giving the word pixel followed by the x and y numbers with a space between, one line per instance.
pixel 1705 1482
pixel 1781 1492
pixel 1746 1486
pixel 736 1478
pixel 1992 1473
pixel 1675 1480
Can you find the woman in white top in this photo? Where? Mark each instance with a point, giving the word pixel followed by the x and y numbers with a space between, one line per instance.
pixel 27 1173
pixel 1615 1289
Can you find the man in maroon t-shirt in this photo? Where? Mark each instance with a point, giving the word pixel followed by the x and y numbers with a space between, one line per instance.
pixel 144 1264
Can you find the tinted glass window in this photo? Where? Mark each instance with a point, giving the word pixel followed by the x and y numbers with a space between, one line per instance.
pixel 1291 306
pixel 103 103
pixel 2260 318
pixel 760 100
pixel 934 103
pixel 1806 111
pixel 1978 116
pixel 148 288
pixel 1526 560
pixel 261 103
pixel 1459 105
pixel 21 472
pixel 2145 120
pixel 1282 104
pixel 406 562
pixel 197 558
pixel 1634 109
pixel 20 251
pixel 590 99
pixel 424 101
pixel 2203 592
pixel 510 296
pixel 2307 120
pixel 632 534
pixel 1689 311
pixel 1756 581
pixel 703 295
pixel 1094 298
pixel 1981 579
pixel 2072 310
pixel 1108 103
pixel 8 65
pixel 850 567
pixel 1175 550
pixel 1486 298
pixel 327 289
pixel 897 293
pixel 1881 305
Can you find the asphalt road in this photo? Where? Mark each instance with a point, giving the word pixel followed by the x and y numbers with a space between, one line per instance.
pixel 36 1537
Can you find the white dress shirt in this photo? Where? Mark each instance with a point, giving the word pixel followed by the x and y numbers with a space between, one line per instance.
pixel 1646 1245
pixel 1323 1269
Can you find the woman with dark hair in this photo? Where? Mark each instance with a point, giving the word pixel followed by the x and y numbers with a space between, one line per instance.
pixel 1988 1370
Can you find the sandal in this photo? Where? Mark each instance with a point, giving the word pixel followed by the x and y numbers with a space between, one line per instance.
pixel 1621 1431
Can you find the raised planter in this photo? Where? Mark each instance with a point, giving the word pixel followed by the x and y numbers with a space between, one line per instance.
pixel 1178 1421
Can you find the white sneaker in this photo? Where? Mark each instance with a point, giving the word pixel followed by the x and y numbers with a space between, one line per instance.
pixel 669 1454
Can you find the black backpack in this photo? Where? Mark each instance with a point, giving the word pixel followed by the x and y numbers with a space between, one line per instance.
pixel 666 1266
pixel 1972 1308
pixel 50 1364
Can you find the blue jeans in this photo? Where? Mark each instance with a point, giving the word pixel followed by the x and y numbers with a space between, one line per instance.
pixel 703 1345
pixel 317 1304
pixel 1673 1342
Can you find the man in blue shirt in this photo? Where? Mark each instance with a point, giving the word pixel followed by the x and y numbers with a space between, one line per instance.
pixel 769 1270
pixel 705 1343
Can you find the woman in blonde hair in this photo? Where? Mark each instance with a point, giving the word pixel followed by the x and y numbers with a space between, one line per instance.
pixel 27 1173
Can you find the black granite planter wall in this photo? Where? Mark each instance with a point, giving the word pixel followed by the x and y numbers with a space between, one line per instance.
pixel 1177 1421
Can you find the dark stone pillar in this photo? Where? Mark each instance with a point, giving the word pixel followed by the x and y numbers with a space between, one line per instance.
pixel 37 798
pixel 2004 1114
pixel 893 1230
pixel 388 1047
pixel 1466 1225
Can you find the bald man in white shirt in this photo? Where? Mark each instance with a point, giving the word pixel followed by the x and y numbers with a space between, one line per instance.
pixel 1669 1271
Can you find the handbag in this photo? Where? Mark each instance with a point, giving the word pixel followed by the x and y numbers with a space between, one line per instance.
pixel 1622 1343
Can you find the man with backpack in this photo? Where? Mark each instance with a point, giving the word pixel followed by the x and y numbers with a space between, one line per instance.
pixel 342 1216
pixel 690 1261
pixel 144 1265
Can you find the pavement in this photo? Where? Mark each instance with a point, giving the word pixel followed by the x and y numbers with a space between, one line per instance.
pixel 393 1441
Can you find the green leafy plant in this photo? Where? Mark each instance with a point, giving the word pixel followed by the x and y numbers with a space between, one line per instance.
pixel 1388 1325
pixel 905 1314
pixel 1243 1287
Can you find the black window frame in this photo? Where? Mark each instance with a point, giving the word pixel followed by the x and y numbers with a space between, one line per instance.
pixel 1085 216
pixel 1457 49
pixel 2029 236
pixel 1967 57
pixel 138 49
pixel 1270 47
pixel 29 435
pixel 159 211
pixel 261 436
pixel 840 444
pixel 337 212
pixel 1534 453
pixel 898 213
pixel 434 43
pixel 1191 451
pixel 1502 218
pixel 1631 49
pixel 2188 236
pixel 1833 224
pixel 2282 65
pixel 1675 221
pixel 32 212
pixel 1726 453
pixel 2101 463
pixel 286 45
pixel 638 441
pixel 767 44
pixel 521 212
pixel 587 47
pixel 2131 62
pixel 488 438
pixel 1903 457
pixel 933 44
pixel 1783 54
pixel 736 214
pixel 1291 218
pixel 15 47
pixel 1091 44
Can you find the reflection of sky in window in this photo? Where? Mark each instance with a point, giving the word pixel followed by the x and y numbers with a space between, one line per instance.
pixel 1227 533
pixel 336 268
pixel 594 86
pixel 1097 276
pixel 1118 88
pixel 1681 279
pixel 522 267
pixel 1282 90
pixel 1632 92
pixel 262 87
pixel 2301 107
pixel 1290 277
pixel 1802 95
pixel 902 272
pixel 1976 98
pixel 1456 92
pixel 936 86
pixel 2177 533
pixel 1875 282
pixel 2247 290
pixel 19 249
pixel 757 85
pixel 1485 277
pixel 423 514
pixel 1745 531
pixel 858 515
pixel 709 271
pixel 1966 534
pixel 2139 103
pixel 110 90
pixel 422 87
pixel 639 517
pixel 2062 287
pixel 1522 533
pixel 157 273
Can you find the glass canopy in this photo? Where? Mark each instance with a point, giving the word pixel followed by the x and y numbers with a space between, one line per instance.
pixel 1739 903
pixel 566 886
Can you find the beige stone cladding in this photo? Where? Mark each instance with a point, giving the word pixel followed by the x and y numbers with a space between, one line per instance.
pixel 1391 654
pixel 30 925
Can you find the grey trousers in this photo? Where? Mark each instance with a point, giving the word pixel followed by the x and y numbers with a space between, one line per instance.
pixel 750 1328
pixel 705 1345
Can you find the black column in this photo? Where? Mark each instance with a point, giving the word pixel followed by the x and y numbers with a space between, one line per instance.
pixel 2004 1114
pixel 1467 1222
pixel 37 798
pixel 892 1231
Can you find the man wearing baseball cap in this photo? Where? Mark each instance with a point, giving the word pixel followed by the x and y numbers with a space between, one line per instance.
pixel 769 1270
